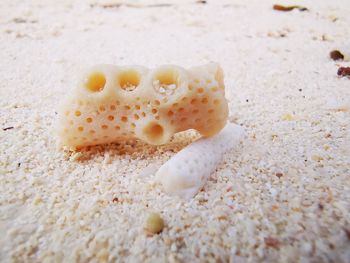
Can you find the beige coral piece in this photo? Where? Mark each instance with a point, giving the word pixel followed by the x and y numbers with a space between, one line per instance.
pixel 113 103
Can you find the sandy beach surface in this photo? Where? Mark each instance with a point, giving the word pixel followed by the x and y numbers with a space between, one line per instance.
pixel 282 196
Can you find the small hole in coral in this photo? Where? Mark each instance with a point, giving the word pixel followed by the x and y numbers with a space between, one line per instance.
pixel 193 101
pixel 77 113
pixel 197 120
pixel 216 102
pixel 184 99
pixel 92 131
pixel 170 113
pixel 137 107
pixel 157 102
pixel 127 107
pixel 154 111
pixel 133 125
pixel 110 118
pixel 181 109
pixel 183 119
pixel 102 108
pixel 157 118
pixel 204 100
pixel 95 82
pixel 84 138
pixel 80 128
pixel 175 104
pixel 117 127
pixel 104 127
pixel 89 120
pixel 112 107
pixel 129 80
pixel 124 119
pixel 117 102
pixel 200 90
pixel 105 137
pixel 136 117
pixel 172 122
pixel 71 122
pixel 195 111
pixel 211 111
pixel 190 87
pixel 143 114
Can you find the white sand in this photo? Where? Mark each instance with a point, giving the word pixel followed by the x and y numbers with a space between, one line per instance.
pixel 283 196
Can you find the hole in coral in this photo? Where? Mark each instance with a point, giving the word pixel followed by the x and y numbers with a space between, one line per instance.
pixel 193 101
pixel 136 117
pixel 80 128
pixel 153 132
pixel 200 90
pixel 137 107
pixel 112 107
pixel 102 108
pixel 143 114
pixel 204 100
pixel 127 107
pixel 154 111
pixel 117 102
pixel 216 102
pixel 157 118
pixel 124 119
pixel 195 111
pixel 71 122
pixel 211 111
pixel 129 80
pixel 133 125
pixel 181 109
pixel 157 102
pixel 183 119
pixel 89 120
pixel 104 127
pixel 110 118
pixel 77 113
pixel 117 127
pixel 190 87
pixel 197 120
pixel 95 82
pixel 170 113
pixel 175 104
pixel 105 137
pixel 92 131
pixel 165 81
pixel 184 99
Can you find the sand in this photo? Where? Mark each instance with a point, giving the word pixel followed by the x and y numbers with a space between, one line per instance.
pixel 282 196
